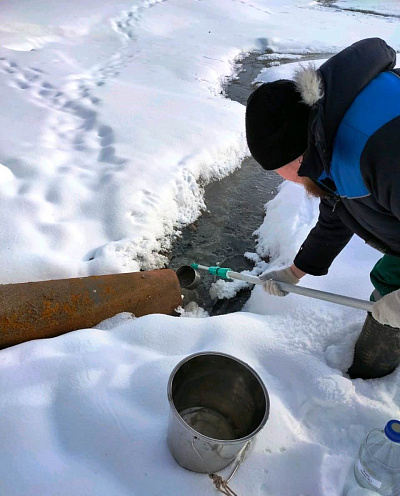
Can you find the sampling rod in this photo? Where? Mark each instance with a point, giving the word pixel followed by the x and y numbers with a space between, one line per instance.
pixel 347 301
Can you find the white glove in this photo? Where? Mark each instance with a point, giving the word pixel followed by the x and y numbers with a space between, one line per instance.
pixel 387 309
pixel 270 278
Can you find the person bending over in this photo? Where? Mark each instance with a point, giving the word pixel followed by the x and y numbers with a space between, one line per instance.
pixel 336 131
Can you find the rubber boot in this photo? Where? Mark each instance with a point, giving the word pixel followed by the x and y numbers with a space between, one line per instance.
pixel 377 351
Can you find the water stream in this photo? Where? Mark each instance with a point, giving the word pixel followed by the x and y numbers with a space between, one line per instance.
pixel 235 208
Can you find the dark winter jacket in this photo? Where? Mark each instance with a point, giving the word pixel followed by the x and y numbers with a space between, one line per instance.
pixel 353 152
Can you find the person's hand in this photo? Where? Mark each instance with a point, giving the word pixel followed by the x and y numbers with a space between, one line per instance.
pixel 284 275
pixel 387 310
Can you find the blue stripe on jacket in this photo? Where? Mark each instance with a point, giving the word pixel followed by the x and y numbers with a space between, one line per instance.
pixel 377 104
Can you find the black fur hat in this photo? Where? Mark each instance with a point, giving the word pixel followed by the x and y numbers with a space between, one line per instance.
pixel 276 124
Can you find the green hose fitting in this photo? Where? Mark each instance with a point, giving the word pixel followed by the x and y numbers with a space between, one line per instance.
pixel 219 271
pixel 216 271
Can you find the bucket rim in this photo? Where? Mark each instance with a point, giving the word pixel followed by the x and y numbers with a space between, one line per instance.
pixel 198 435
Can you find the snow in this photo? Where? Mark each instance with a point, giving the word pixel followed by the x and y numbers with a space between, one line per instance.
pixel 112 123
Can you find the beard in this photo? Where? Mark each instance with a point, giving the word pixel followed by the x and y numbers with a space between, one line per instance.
pixel 313 189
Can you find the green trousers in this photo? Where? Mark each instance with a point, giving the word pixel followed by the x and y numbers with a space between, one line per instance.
pixel 385 276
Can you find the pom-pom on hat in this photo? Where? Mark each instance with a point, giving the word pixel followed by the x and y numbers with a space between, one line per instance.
pixel 276 124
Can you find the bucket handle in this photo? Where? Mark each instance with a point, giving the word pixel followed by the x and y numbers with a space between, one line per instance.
pixel 221 484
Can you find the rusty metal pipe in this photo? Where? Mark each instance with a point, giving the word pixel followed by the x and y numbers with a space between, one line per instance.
pixel 46 309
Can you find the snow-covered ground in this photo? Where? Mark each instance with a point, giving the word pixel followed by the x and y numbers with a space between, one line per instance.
pixel 111 117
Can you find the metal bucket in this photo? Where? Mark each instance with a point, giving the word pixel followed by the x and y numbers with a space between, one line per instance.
pixel 217 405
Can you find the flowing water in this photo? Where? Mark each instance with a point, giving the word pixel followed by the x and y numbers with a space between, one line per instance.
pixel 235 209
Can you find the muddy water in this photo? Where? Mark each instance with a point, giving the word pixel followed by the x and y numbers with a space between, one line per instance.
pixel 225 231
pixel 235 209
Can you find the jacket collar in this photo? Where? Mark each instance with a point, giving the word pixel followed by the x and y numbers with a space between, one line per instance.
pixel 331 89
